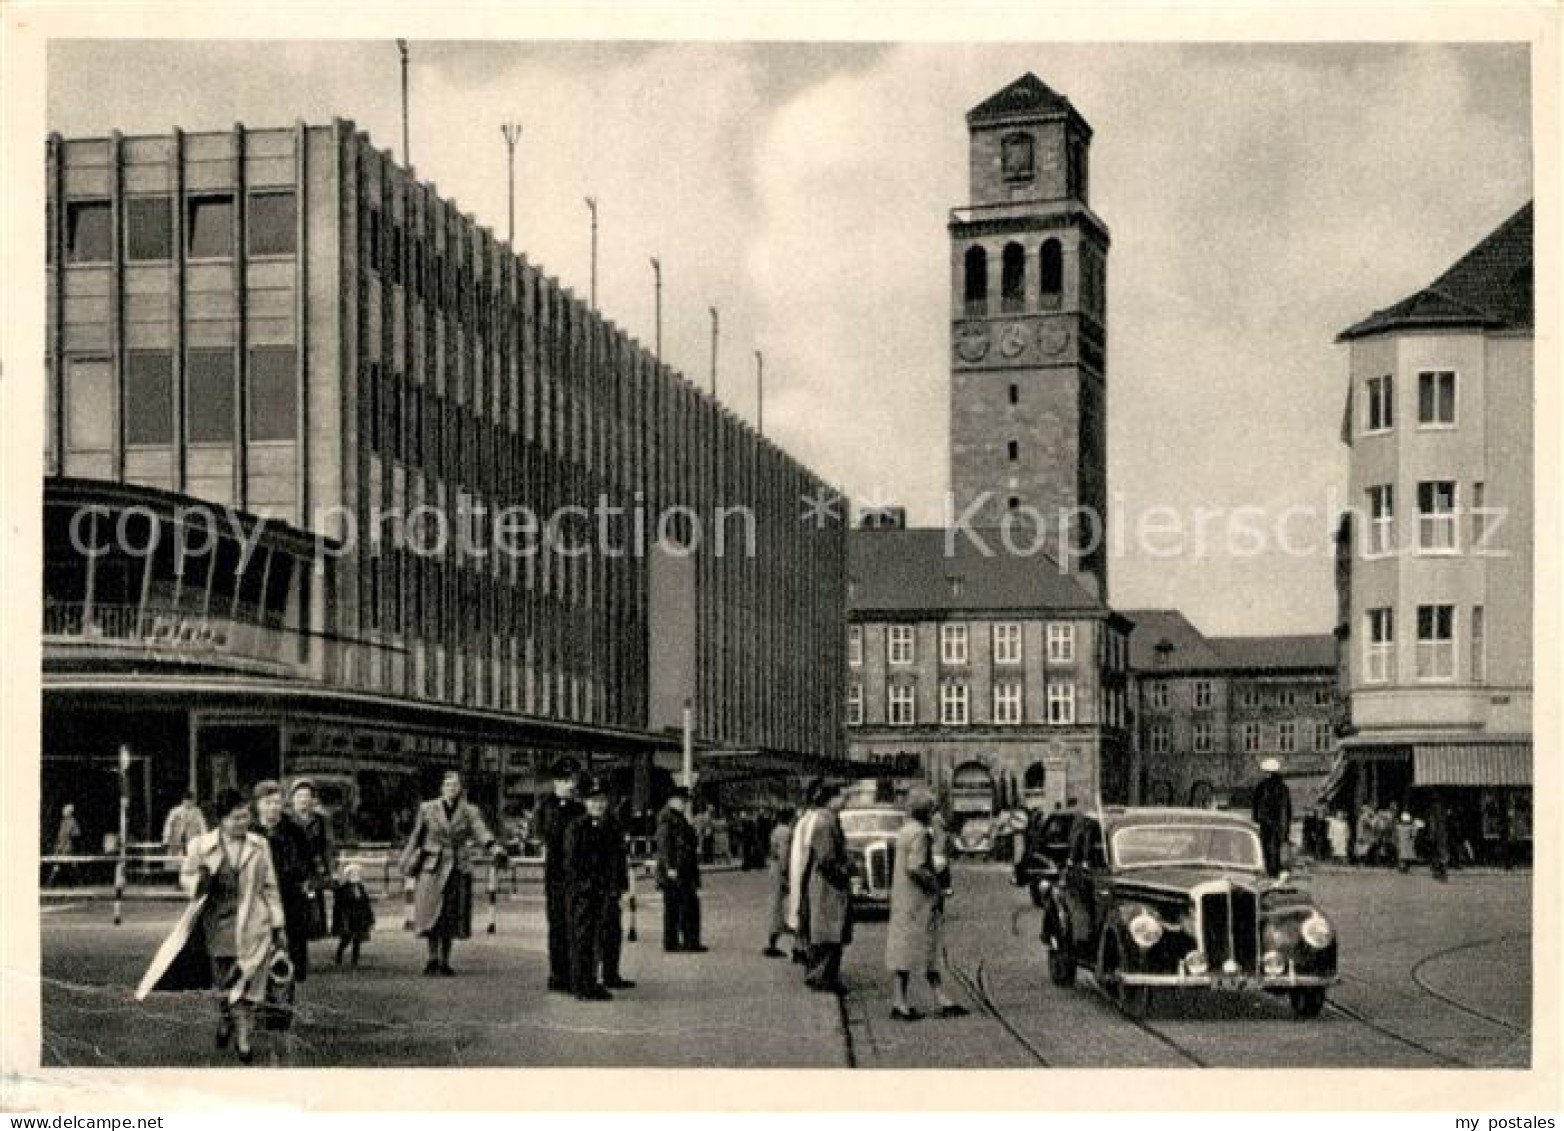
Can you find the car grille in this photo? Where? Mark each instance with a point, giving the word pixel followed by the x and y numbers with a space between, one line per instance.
pixel 1229 925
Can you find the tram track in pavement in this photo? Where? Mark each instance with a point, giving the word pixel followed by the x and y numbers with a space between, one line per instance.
pixel 976 987
pixel 1454 1003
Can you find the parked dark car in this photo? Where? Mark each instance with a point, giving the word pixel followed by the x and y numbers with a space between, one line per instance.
pixel 1153 899
pixel 1045 846
pixel 871 842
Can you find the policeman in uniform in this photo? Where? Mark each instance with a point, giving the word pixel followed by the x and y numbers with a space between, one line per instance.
pixel 679 876
pixel 554 814
pixel 595 874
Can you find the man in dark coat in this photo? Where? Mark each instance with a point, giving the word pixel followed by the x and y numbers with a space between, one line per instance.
pixel 827 887
pixel 594 859
pixel 1273 813
pixel 554 815
pixel 679 876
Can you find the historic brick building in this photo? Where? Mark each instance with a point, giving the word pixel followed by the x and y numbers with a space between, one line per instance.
pixel 996 678
pixel 1208 709
pixel 286 330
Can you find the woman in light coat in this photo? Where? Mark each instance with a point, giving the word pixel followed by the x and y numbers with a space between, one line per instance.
pixel 914 932
pixel 436 856
pixel 232 926
pixel 781 843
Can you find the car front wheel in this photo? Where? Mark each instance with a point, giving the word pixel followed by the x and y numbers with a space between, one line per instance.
pixel 1308 1002
pixel 1135 1001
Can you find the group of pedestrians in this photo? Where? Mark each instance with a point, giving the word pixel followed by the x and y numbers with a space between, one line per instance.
pixel 587 874
pixel 256 884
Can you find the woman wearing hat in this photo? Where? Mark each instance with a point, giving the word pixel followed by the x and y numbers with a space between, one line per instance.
pixel 323 851
pixel 436 857
pixel 913 933
pixel 293 863
pixel 232 928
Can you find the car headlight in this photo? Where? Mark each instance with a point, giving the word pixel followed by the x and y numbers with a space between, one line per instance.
pixel 1196 964
pixel 1274 964
pixel 1145 930
pixel 1317 931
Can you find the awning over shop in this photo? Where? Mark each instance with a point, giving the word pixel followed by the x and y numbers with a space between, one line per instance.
pixel 1472 764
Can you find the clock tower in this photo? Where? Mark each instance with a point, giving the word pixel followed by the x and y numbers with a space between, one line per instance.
pixel 1028 378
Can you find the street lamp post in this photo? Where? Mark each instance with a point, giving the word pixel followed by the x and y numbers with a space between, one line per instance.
pixel 591 203
pixel 407 153
pixel 122 863
pixel 512 135
pixel 657 305
pixel 760 393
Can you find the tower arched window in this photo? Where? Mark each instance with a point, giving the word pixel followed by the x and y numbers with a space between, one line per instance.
pixel 974 289
pixel 1013 279
pixel 1051 269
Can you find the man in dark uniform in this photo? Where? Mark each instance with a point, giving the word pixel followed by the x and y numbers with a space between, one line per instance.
pixel 554 814
pixel 1273 813
pixel 594 864
pixel 679 876
pixel 612 933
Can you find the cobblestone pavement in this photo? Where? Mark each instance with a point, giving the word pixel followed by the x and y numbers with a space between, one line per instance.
pixel 1433 975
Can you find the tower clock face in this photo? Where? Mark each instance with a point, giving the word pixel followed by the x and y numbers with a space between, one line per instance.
pixel 972 343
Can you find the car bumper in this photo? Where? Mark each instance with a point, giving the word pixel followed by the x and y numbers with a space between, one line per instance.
pixel 1216 980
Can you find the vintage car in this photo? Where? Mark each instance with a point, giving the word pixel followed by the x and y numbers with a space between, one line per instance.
pixel 1153 899
pixel 1044 847
pixel 871 842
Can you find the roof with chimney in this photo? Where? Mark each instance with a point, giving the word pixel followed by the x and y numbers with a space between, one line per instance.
pixel 1027 97
pixel 1165 640
pixel 1490 288
pixel 919 570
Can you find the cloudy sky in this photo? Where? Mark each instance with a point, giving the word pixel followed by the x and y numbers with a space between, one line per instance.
pixel 1260 198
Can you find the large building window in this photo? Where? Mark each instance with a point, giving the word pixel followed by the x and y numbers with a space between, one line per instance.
pixel 272 223
pixel 1479 509
pixel 1379 655
pixel 953 643
pixel 1436 516
pixel 1287 697
pixel 855 645
pixel 898 643
pixel 149 397
pixel 89 405
pixel 1436 642
pixel 1249 696
pixel 1322 697
pixel 1205 694
pixel 1249 737
pixel 1436 400
pixel 901 706
pixel 1012 278
pixel 1382 519
pixel 273 400
pixel 1007 643
pixel 1159 696
pixel 1286 737
pixel 1379 405
pixel 1479 643
pixel 209 396
pixel 1061 703
pixel 209 226
pixel 1061 643
pixel 1202 738
pixel 1160 738
pixel 88 231
pixel 1007 702
pixel 855 704
pixel 1051 268
pixel 1321 737
pixel 953 703
pixel 149 229
pixel 974 290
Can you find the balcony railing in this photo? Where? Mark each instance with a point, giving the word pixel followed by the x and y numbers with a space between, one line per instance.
pixel 186 636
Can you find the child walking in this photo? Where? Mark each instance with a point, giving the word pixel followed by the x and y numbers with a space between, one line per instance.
pixel 353 915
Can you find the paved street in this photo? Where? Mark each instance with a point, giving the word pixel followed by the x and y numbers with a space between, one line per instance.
pixel 1433 975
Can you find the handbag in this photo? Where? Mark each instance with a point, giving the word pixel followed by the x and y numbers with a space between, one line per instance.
pixel 275 1012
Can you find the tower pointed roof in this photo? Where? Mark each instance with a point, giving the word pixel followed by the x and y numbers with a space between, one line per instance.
pixel 1028 96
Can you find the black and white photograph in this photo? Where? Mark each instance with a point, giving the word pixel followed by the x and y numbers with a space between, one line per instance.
pixel 783 552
